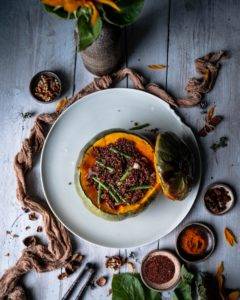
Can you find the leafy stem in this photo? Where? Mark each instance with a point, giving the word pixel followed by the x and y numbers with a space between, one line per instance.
pixel 141 187
pixel 111 170
pixel 107 188
pixel 114 150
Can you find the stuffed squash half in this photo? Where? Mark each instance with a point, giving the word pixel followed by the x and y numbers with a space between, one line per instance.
pixel 119 172
pixel 116 175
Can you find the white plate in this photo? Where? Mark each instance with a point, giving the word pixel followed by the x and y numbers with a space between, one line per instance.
pixel 112 108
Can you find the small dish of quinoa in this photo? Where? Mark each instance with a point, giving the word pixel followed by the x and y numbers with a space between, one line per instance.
pixel 45 87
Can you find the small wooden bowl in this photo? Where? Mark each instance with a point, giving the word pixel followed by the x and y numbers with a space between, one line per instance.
pixel 193 258
pixel 229 204
pixel 168 285
pixel 34 81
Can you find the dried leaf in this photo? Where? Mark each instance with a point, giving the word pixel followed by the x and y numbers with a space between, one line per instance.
pixel 61 105
pixel 230 237
pixel 220 280
pixel 156 67
pixel 235 295
pixel 220 269
pixel 211 122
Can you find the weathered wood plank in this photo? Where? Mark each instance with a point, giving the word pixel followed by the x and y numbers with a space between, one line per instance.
pixel 31 41
pixel 148 44
pixel 197 27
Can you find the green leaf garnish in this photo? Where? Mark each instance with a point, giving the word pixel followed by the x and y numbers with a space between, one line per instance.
pixel 114 150
pixel 130 10
pixel 140 126
pixel 141 187
pixel 107 188
pixel 128 286
pixel 87 33
pixel 111 170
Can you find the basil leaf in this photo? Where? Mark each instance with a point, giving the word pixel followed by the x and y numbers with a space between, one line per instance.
pixel 128 286
pixel 130 10
pixel 149 294
pixel 87 33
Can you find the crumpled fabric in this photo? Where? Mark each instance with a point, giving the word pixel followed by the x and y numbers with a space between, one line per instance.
pixel 58 252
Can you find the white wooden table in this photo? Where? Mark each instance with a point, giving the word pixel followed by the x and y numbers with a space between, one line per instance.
pixel 171 32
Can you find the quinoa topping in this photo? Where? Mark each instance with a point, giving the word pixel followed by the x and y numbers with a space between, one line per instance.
pixel 121 174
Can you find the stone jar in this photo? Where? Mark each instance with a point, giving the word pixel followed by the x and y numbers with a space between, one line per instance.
pixel 105 55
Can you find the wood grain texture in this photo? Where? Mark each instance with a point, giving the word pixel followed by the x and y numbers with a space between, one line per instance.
pixel 171 32
pixel 31 41
pixel 197 27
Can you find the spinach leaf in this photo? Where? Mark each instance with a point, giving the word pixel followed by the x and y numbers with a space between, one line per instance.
pixel 128 286
pixel 184 290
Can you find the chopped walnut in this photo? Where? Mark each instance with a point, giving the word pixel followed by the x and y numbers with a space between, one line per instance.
pixel 114 262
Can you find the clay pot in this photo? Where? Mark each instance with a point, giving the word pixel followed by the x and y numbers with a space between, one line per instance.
pixel 105 54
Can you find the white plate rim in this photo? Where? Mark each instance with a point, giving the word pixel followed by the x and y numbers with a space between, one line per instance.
pixel 179 119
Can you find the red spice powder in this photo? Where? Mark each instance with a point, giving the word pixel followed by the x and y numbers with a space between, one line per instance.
pixel 158 269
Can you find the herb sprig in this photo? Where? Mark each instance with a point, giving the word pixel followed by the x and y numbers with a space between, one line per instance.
pixel 222 143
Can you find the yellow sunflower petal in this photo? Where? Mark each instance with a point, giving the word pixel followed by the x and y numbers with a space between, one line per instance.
pixel 94 12
pixel 110 3
pixel 72 5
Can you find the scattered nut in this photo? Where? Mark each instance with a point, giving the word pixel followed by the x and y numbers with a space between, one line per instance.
pixel 39 229
pixel 62 276
pixel 32 216
pixel 131 267
pixel 101 281
pixel 114 262
pixel 26 210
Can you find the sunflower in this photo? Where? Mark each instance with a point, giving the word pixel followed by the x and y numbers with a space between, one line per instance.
pixel 72 6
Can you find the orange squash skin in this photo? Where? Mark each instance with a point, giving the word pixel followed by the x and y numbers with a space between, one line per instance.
pixel 87 160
